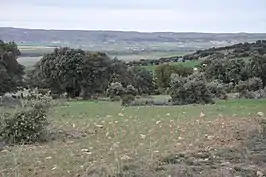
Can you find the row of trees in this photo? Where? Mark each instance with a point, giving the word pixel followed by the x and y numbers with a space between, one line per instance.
pixel 79 73
pixel 84 74
pixel 233 71
pixel 160 61
pixel 233 51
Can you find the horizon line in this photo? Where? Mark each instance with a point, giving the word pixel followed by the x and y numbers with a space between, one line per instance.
pixel 136 31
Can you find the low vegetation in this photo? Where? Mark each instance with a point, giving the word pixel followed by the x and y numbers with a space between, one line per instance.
pixel 211 118
pixel 104 138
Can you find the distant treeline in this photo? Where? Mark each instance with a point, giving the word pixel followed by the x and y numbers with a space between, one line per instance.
pixel 239 50
pixel 150 62
pixel 39 53
pixel 233 51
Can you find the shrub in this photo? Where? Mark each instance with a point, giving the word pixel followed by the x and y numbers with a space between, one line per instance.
pixel 190 90
pixel 27 125
pixel 217 90
pixel 127 99
pixel 115 98
pixel 116 89
pixel 248 94
pixel 164 72
pixel 253 84
pixel 226 70
pixel 229 88
pixel 130 90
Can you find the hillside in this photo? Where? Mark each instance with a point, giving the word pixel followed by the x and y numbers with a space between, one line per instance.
pixel 119 41
pixel 239 50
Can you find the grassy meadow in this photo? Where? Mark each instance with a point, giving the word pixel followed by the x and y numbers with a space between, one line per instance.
pixel 105 135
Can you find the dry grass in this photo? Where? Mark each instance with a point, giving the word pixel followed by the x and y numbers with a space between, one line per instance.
pixel 104 138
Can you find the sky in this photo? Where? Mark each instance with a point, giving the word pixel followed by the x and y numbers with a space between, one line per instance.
pixel 137 15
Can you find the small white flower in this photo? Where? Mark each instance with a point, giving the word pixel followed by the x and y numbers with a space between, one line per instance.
pixel 142 136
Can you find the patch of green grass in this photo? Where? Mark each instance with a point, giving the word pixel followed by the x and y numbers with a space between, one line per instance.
pixel 115 134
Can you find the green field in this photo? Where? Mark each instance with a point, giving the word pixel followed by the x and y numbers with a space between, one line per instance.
pixel 104 134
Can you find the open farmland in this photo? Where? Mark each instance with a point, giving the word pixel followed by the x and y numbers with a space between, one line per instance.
pixel 101 138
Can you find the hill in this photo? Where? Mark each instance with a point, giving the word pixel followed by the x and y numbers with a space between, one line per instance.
pixel 240 50
pixel 124 42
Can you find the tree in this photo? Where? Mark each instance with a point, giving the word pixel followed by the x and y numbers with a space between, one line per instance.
pixel 190 90
pixel 74 71
pixel 258 67
pixel 11 72
pixel 163 73
pixel 115 90
pixel 119 72
pixel 226 70
pixel 143 80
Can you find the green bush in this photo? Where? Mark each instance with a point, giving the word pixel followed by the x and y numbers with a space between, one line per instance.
pixel 130 90
pixel 127 99
pixel 163 73
pixel 255 84
pixel 190 90
pixel 248 95
pixel 116 89
pixel 217 90
pixel 115 98
pixel 229 88
pixel 27 125
pixel 252 84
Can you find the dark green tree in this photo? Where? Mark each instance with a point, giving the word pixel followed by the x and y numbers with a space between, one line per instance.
pixel 143 80
pixel 258 67
pixel 119 72
pixel 163 73
pixel 226 70
pixel 11 72
pixel 73 71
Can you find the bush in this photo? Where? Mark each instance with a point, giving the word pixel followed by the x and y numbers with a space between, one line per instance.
pixel 253 84
pixel 115 98
pixel 164 72
pixel 226 70
pixel 27 125
pixel 248 95
pixel 116 89
pixel 127 99
pixel 229 88
pixel 259 94
pixel 190 90
pixel 130 90
pixel 217 89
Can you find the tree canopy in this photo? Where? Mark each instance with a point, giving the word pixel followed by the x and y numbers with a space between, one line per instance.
pixel 73 71
pixel 11 72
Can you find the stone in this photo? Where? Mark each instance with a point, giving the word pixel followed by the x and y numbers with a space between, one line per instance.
pixel 261 114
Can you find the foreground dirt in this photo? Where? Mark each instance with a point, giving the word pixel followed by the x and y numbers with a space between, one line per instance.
pixel 237 149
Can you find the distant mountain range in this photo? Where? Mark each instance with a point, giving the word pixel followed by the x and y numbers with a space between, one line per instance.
pixel 120 41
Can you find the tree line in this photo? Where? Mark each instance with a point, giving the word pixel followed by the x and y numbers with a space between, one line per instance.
pixel 85 74
pixel 232 51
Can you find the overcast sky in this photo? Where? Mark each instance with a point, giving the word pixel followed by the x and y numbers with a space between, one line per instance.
pixel 137 15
